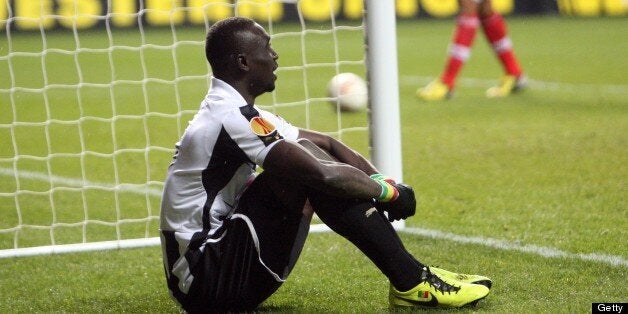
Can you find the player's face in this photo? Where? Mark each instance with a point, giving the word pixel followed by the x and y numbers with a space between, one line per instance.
pixel 262 61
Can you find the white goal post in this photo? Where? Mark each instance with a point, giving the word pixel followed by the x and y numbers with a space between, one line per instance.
pixel 81 169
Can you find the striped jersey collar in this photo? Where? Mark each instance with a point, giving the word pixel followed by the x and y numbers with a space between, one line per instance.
pixel 224 93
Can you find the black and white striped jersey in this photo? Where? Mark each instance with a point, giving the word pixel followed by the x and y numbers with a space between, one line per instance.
pixel 215 160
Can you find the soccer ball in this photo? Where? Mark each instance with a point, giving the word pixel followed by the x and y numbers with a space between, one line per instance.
pixel 348 91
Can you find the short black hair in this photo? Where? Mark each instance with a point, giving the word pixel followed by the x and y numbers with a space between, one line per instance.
pixel 222 41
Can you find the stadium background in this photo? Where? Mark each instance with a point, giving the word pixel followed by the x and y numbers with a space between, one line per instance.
pixel 313 10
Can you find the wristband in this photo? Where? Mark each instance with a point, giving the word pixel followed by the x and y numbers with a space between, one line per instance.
pixel 381 177
pixel 389 192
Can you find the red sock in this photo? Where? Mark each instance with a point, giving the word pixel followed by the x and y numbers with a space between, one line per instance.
pixel 494 28
pixel 460 48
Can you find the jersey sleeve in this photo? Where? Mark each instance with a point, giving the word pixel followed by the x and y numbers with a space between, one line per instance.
pixel 256 136
pixel 287 130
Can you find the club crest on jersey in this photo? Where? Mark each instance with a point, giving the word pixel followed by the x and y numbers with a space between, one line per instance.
pixel 265 130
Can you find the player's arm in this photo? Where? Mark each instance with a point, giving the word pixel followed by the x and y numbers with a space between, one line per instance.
pixel 338 150
pixel 290 160
pixel 402 207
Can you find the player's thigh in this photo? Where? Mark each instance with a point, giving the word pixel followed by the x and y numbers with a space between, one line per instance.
pixel 247 259
pixel 258 249
pixel 228 275
pixel 275 209
pixel 245 280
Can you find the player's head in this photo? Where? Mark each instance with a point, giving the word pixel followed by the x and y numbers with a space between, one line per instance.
pixel 238 48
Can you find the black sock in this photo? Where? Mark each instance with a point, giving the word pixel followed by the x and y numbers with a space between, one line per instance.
pixel 370 231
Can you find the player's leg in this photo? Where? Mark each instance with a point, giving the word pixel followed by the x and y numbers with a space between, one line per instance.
pixel 496 32
pixel 281 221
pixel 359 222
pixel 459 52
pixel 264 238
pixel 249 257
pixel 371 232
pixel 411 283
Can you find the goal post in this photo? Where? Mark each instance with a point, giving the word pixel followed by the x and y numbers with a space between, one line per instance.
pixel 96 93
pixel 383 80
pixel 383 77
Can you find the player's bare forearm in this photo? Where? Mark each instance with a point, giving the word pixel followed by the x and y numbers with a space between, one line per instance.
pixel 292 161
pixel 339 151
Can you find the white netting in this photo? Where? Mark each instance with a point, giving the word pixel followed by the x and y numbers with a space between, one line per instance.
pixel 90 110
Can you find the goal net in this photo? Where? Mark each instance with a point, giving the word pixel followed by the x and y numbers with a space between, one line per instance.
pixel 94 94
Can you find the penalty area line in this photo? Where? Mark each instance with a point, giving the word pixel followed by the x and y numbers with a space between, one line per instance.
pixel 546 252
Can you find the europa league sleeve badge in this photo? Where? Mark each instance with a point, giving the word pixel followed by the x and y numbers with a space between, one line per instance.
pixel 265 130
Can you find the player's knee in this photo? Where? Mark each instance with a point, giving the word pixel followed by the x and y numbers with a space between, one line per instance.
pixel 317 151
pixel 305 142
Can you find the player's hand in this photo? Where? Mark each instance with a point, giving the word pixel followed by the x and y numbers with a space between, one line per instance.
pixel 403 206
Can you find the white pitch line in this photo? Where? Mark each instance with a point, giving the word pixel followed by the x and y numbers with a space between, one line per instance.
pixel 416 80
pixel 547 252
pixel 72 182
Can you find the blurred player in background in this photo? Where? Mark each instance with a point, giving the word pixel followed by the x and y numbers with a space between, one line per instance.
pixel 230 237
pixel 473 14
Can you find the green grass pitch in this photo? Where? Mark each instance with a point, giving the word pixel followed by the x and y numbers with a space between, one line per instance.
pixel 502 184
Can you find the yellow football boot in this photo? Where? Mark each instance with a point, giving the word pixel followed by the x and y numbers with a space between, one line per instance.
pixel 507 85
pixel 433 291
pixel 474 279
pixel 434 91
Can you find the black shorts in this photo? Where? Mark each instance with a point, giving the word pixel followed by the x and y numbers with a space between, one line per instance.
pixel 249 257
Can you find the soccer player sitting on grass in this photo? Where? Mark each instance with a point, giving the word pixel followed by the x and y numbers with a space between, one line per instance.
pixel 474 13
pixel 231 237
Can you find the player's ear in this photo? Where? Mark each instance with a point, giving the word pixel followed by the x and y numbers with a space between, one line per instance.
pixel 241 62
